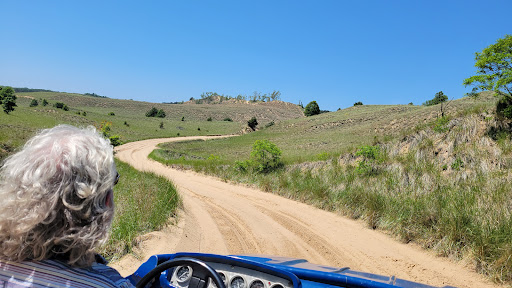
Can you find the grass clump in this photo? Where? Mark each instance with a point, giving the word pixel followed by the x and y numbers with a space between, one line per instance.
pixel 144 202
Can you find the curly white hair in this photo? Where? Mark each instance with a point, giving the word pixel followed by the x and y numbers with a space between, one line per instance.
pixel 55 196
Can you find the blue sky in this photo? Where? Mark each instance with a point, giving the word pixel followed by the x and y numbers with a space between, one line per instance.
pixel 334 52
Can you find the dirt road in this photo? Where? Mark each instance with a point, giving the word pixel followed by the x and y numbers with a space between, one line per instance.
pixel 223 218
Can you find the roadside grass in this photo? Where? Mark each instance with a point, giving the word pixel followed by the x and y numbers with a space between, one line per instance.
pixel 144 203
pixel 445 184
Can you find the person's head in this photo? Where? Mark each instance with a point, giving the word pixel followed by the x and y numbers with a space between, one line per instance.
pixel 56 196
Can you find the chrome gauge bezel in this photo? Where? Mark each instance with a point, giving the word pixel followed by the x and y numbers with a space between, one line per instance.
pixel 235 278
pixel 257 280
pixel 190 271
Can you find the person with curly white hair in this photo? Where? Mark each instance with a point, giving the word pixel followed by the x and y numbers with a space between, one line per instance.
pixel 56 208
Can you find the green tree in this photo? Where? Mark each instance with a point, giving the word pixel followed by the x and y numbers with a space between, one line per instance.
pixel 7 99
pixel 438 99
pixel 494 73
pixel 266 156
pixel 312 109
pixel 358 103
pixel 253 123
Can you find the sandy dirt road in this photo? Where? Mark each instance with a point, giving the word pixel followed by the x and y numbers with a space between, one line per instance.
pixel 223 218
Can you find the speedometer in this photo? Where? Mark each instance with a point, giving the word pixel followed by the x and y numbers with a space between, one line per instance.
pixel 238 282
pixel 183 273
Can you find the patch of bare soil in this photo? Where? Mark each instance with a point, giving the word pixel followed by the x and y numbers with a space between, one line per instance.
pixel 224 218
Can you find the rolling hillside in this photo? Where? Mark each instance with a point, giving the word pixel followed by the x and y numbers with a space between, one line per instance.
pixel 129 120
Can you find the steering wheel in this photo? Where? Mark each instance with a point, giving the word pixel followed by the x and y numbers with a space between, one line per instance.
pixel 201 273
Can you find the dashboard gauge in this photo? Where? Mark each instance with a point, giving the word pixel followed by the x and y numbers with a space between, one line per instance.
pixel 257 284
pixel 183 273
pixel 223 277
pixel 278 286
pixel 238 282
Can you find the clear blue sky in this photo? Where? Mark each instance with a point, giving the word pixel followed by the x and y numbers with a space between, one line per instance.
pixel 334 52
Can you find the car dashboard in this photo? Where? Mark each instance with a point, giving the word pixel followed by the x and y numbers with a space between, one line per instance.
pixel 244 271
pixel 233 276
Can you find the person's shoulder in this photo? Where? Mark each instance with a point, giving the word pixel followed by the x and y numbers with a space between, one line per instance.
pixel 57 273
pixel 111 274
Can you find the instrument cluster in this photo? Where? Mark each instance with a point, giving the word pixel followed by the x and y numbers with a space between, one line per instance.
pixel 233 277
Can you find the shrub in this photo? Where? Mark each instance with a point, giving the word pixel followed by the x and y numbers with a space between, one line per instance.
pixel 209 119
pixel 242 166
pixel 270 124
pixel 183 118
pixel 441 124
pixel 228 119
pixel 161 125
pixel 312 109
pixel 160 113
pixel 265 156
pixel 198 129
pixel 126 124
pixel 371 156
pixel 504 107
pixel 45 102
pixel 65 108
pixel 151 112
pixel 34 103
pixel 84 113
pixel 111 114
pixel 253 123
pixel 59 105
pixel 358 103
pixel 115 140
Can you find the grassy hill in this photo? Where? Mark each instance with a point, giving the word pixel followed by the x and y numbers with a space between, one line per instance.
pixel 442 182
pixel 129 120
pixel 335 133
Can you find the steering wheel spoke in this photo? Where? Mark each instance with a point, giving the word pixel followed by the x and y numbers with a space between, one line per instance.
pixel 201 273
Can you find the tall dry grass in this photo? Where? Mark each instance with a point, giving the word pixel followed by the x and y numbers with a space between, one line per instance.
pixel 446 186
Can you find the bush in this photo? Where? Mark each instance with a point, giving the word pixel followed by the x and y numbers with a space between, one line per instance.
pixel 59 105
pixel 358 103
pixel 160 113
pixel 183 118
pixel 253 123
pixel 115 140
pixel 34 103
pixel 209 119
pixel 161 125
pixel 265 156
pixel 441 124
pixel 504 107
pixel 84 113
pixel 270 124
pixel 111 114
pixel 371 156
pixel 312 109
pixel 151 112
pixel 45 102
pixel 228 119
